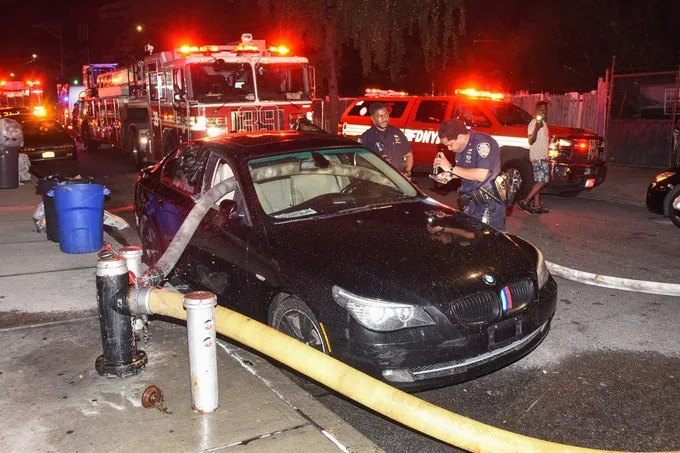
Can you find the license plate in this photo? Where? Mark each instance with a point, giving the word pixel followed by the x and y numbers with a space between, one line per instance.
pixel 504 332
pixel 48 154
pixel 587 171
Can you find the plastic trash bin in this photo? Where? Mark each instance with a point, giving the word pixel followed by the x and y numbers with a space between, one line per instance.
pixel 44 186
pixel 80 215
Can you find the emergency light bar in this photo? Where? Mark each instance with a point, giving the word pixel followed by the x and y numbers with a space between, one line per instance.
pixel 379 92
pixel 471 92
pixel 199 49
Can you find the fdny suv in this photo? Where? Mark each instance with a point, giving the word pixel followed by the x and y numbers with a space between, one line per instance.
pixel 576 158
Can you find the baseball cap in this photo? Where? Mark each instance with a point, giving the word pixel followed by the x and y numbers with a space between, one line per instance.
pixel 451 129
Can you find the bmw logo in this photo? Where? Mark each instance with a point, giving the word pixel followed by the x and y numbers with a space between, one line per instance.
pixel 489 279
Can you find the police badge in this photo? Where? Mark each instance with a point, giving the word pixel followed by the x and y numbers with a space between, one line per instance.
pixel 483 149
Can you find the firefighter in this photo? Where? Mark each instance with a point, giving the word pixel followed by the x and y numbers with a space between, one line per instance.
pixel 478 162
pixel 387 140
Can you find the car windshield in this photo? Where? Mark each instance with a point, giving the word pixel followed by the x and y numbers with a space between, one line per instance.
pixel 280 82
pixel 326 182
pixel 222 82
pixel 509 114
pixel 42 128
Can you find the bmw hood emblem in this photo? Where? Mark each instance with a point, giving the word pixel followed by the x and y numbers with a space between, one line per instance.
pixel 489 279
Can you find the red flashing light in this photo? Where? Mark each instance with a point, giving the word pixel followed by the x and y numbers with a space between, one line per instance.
pixel 471 92
pixel 581 145
pixel 281 50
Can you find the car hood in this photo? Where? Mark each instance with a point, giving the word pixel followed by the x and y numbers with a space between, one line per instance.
pixel 420 251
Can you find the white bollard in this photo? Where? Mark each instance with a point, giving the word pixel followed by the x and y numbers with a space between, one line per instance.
pixel 200 307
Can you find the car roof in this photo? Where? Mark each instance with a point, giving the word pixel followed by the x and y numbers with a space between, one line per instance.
pixel 257 144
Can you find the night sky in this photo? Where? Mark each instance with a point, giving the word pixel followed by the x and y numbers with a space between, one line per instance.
pixel 556 45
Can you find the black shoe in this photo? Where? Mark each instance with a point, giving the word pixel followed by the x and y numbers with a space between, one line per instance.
pixel 539 210
pixel 523 206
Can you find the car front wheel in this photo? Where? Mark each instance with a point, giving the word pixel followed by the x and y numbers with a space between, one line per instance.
pixel 526 173
pixel 294 318
pixel 673 205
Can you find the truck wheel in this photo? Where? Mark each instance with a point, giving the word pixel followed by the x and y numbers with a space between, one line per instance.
pixel 526 172
pixel 672 205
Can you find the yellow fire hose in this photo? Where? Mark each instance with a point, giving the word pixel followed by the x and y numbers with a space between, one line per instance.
pixel 400 406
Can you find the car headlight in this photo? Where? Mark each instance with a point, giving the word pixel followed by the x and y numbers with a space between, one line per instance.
pixel 663 175
pixel 380 315
pixel 542 271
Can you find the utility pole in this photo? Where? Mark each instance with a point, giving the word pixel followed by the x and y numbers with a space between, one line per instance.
pixel 56 31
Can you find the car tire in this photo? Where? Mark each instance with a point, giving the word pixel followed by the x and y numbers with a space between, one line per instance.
pixel 293 317
pixel 526 172
pixel 672 199
pixel 152 249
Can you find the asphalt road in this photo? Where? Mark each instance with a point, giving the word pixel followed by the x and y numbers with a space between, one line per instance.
pixel 608 374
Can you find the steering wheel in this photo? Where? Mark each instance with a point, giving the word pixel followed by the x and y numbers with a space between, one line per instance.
pixel 354 186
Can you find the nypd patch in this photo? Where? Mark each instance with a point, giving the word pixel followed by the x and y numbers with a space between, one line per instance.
pixel 483 149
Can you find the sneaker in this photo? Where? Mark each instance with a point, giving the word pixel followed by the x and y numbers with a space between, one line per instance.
pixel 539 210
pixel 524 207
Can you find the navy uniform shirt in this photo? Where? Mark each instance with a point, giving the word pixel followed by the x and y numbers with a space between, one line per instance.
pixel 482 151
pixel 396 144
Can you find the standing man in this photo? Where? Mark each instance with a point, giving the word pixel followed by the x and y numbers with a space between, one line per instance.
pixel 387 140
pixel 478 162
pixel 539 143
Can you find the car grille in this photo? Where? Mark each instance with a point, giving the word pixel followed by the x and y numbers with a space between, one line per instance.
pixel 486 306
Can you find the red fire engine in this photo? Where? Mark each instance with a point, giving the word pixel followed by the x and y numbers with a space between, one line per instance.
pixel 193 92
pixel 25 96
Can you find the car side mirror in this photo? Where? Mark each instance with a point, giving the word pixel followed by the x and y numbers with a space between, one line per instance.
pixel 228 208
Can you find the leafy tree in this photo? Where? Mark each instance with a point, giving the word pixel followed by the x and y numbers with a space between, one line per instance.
pixel 377 30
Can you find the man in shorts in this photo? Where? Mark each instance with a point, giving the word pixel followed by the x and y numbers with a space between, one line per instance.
pixel 539 143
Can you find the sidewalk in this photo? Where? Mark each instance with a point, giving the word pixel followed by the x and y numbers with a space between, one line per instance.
pixel 56 401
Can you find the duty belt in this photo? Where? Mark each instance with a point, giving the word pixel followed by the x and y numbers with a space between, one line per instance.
pixel 479 196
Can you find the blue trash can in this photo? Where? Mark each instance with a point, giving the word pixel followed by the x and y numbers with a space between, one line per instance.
pixel 80 215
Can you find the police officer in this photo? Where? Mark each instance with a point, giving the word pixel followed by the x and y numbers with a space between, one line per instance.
pixel 478 162
pixel 387 140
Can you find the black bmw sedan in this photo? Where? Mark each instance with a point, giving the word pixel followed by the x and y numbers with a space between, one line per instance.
pixel 46 140
pixel 328 243
pixel 663 194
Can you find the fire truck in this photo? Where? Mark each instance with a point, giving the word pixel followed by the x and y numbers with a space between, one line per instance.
pixel 24 96
pixel 193 92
